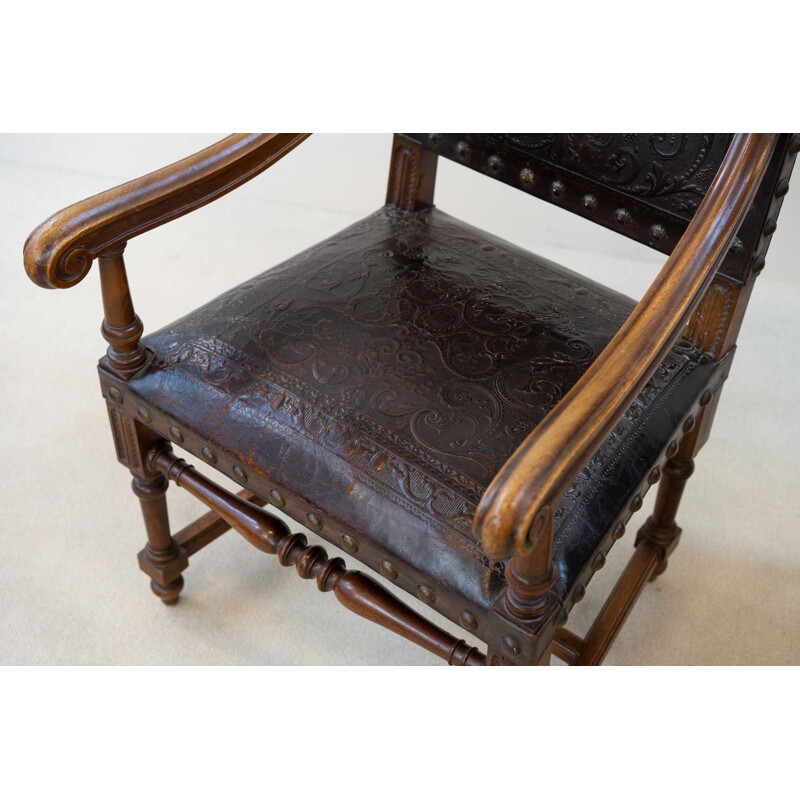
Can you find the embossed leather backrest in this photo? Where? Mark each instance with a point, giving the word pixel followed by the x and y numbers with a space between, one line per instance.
pixel 646 186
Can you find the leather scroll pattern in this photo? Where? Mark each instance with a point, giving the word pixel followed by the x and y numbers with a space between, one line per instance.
pixel 415 348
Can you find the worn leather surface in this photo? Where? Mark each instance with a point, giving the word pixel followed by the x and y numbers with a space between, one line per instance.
pixel 387 373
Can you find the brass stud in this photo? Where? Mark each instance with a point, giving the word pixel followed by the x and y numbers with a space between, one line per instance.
pixel 636 503
pixel 240 474
pixel 622 215
pixel 737 246
pixel 144 414
pixel 349 544
pixel 435 137
pixel 426 594
pixel 510 645
pixel 705 398
pixel 466 620
pixel 558 188
pixel 175 434
pixel 313 521
pixel 561 618
pixel 770 227
pixel 658 232
pixel 526 176
pixel 276 498
pixel 689 424
pixel 495 163
pixel 654 476
pixel 619 531
pixel 782 187
pixel 462 148
pixel 589 202
pixel 794 147
pixel 599 561
pixel 579 593
pixel 758 264
pixel 209 455
pixel 672 448
pixel 114 394
pixel 388 570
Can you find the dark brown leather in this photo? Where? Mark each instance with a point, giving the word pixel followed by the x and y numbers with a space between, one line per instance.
pixel 644 185
pixel 385 375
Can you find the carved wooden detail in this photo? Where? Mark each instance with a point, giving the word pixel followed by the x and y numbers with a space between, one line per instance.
pixel 710 322
pixel 412 176
pixel 123 431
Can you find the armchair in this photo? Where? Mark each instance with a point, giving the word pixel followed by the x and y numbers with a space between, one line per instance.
pixel 469 420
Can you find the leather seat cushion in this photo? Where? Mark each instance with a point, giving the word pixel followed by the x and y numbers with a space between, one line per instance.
pixel 385 375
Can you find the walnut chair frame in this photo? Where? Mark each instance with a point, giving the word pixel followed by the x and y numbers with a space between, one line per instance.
pixel 701 293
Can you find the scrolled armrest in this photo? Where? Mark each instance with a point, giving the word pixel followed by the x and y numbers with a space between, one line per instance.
pixel 59 253
pixel 518 502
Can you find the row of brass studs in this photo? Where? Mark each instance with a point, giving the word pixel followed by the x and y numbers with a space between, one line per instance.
pixel 558 188
pixel 771 225
pixel 621 215
pixel 636 503
pixel 313 520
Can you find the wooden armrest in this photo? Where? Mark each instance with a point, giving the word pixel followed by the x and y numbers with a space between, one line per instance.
pixel 520 499
pixel 60 251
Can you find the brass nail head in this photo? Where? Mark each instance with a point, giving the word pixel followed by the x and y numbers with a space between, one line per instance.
pixel 176 435
pixel 313 521
pixel 240 474
pixel 426 594
pixel 466 620
pixel 388 570
pixel 209 455
pixel 510 645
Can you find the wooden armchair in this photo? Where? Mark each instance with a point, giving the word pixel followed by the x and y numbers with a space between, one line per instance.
pixel 470 420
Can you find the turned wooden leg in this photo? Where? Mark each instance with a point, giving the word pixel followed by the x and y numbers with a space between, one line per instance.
pixel 161 555
pixel 661 529
pixel 162 559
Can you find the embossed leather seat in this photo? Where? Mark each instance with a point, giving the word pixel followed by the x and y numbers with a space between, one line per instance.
pixel 379 380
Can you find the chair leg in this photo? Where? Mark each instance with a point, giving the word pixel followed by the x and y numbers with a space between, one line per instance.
pixel 163 559
pixel 661 529
pixel 161 554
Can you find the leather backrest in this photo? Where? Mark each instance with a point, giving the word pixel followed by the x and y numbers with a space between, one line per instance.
pixel 644 185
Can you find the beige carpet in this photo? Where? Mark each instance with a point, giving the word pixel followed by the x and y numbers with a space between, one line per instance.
pixel 70 589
